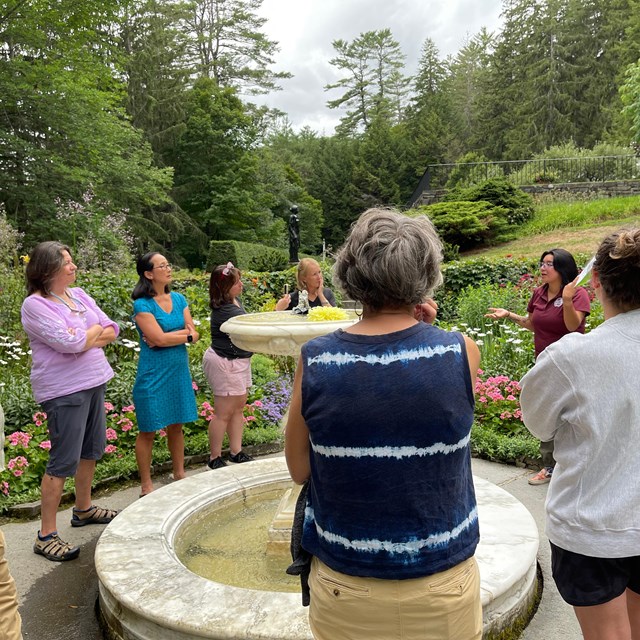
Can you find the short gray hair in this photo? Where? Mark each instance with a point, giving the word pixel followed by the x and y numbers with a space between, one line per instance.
pixel 389 260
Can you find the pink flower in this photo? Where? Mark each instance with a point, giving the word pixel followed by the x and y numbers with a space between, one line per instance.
pixel 4 487
pixel 128 409
pixel 18 472
pixel 258 404
pixel 19 462
pixel 194 385
pixel 39 415
pixel 126 424
pixel 45 444
pixel 19 438
pixel 162 433
pixel 111 435
pixel 110 449
pixel 108 406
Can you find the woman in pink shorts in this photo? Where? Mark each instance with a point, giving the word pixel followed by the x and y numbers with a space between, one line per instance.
pixel 227 367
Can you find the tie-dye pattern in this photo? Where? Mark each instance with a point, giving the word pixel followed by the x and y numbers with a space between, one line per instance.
pixel 389 420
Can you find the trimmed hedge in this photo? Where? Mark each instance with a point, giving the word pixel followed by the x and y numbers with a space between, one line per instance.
pixel 246 255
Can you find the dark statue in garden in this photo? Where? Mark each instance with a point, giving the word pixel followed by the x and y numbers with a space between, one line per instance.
pixel 294 234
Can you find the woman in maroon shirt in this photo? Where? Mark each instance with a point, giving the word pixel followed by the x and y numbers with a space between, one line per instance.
pixel 555 309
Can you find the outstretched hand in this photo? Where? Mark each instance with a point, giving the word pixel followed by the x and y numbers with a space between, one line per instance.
pixel 497 313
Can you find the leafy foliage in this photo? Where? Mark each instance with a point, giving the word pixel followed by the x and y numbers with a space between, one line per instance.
pixel 467 224
pixel 246 255
pixel 501 193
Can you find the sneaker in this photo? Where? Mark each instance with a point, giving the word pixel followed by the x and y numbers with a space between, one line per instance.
pixel 53 548
pixel 216 463
pixel 543 476
pixel 241 456
pixel 93 515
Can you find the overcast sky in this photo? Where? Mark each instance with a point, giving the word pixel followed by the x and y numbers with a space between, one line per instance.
pixel 305 30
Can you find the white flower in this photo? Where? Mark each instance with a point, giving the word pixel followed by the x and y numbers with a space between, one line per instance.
pixel 479 342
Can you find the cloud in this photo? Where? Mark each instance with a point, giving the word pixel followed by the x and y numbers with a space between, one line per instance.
pixel 305 30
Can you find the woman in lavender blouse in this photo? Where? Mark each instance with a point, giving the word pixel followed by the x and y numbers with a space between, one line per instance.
pixel 69 372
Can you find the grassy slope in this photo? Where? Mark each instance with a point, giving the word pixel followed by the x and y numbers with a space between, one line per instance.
pixel 577 226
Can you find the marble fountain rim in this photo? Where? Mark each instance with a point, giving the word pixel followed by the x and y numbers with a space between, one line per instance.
pixel 144 586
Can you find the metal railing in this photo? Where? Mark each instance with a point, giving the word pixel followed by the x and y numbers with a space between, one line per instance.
pixel 529 172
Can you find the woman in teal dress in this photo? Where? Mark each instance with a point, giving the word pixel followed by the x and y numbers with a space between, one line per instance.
pixel 163 392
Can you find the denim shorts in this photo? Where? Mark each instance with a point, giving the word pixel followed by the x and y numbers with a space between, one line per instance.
pixel 585 581
pixel 77 430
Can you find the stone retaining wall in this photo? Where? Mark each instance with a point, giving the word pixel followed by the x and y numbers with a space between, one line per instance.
pixel 601 189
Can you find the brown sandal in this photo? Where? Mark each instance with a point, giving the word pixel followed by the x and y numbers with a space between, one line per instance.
pixel 54 548
pixel 93 515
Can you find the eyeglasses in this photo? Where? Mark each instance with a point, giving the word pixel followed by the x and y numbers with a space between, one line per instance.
pixel 164 266
pixel 549 265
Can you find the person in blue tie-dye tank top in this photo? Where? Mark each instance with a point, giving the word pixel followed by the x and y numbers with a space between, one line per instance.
pixel 379 424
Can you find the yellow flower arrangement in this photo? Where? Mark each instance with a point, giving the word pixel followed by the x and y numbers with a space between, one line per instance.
pixel 324 314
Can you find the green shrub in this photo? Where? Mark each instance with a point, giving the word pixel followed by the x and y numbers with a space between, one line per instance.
pixel 263 370
pixel 472 168
pixel 474 302
pixel 12 292
pixel 500 193
pixel 592 165
pixel 270 260
pixel 489 444
pixel 245 255
pixel 467 224
pixel 458 275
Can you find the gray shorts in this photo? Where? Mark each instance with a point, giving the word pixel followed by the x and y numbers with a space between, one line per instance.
pixel 77 430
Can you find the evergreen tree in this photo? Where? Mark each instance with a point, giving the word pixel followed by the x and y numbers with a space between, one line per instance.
pixel 230 46
pixel 374 82
pixel 468 70
pixel 429 120
pixel 154 50
pixel 62 125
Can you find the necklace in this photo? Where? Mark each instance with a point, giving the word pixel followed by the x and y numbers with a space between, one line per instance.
pixel 75 301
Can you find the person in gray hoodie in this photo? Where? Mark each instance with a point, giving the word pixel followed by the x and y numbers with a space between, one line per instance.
pixel 583 393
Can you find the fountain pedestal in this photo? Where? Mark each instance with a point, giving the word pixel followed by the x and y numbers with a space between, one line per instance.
pixel 279 534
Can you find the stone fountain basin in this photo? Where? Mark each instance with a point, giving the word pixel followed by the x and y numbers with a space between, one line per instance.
pixel 280 333
pixel 147 593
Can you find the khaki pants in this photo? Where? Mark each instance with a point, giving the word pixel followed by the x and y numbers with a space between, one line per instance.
pixel 10 622
pixel 444 606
